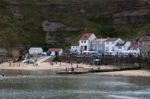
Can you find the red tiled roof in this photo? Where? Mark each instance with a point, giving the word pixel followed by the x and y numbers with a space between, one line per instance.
pixel 85 36
pixel 55 49
pixel 144 38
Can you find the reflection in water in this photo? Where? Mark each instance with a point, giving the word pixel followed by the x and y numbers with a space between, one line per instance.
pixel 87 86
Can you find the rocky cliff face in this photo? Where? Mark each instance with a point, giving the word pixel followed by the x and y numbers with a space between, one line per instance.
pixel 138 16
pixel 27 20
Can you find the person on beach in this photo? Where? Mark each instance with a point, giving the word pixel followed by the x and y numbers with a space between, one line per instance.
pixel 71 63
pixel 10 63
pixel 72 69
pixel 52 64
pixel 19 64
pixel 98 68
pixel 77 66
pixel 66 69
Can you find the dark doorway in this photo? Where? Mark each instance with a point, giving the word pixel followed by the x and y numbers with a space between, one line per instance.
pixel 57 53
pixel 85 47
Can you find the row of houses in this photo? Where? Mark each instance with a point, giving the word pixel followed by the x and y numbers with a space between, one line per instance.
pixel 89 43
pixel 33 51
pixel 50 52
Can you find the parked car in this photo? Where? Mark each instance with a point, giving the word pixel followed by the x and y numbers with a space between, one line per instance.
pixel 96 62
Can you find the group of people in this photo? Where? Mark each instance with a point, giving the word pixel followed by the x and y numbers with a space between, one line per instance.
pixel 14 64
pixel 1 61
pixel 67 68
pixel 71 69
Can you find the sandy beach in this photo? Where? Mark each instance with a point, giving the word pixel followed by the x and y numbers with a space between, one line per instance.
pixel 62 67
pixel 144 73
pixel 49 66
pixel 42 66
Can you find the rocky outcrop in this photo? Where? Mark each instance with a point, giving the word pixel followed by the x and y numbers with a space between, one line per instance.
pixel 139 16
pixel 56 26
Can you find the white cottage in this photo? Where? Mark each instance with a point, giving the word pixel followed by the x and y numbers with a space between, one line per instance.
pixel 85 42
pixel 35 50
pixel 110 45
pixel 74 49
pixel 135 48
pixel 123 46
pixel 98 45
pixel 56 51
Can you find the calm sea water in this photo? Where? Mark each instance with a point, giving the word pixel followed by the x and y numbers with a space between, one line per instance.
pixel 87 86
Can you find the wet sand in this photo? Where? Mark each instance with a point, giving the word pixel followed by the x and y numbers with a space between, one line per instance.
pixel 144 73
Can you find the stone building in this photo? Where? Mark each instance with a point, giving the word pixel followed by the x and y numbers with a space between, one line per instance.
pixel 144 43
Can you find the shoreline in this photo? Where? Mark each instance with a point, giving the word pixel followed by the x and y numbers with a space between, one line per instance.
pixel 127 73
pixel 48 69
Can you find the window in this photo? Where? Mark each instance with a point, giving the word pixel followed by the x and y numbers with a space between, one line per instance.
pixel 107 49
pixel 85 41
pixel 119 47
pixel 113 49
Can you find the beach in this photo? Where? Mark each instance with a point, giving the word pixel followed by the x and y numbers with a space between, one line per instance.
pixel 52 68
pixel 42 66
pixel 142 73
pixel 60 66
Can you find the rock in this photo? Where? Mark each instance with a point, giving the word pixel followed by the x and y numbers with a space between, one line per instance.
pixel 56 26
pixel 53 26
pixel 131 17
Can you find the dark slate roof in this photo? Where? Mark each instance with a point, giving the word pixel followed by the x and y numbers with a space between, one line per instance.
pixel 111 39
pixel 122 43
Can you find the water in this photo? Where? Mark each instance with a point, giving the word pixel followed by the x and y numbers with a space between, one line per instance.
pixel 88 86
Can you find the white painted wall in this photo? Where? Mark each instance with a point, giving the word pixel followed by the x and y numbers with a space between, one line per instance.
pixel 98 45
pixel 124 47
pixel 87 43
pixel 59 53
pixel 74 49
pixel 35 50
pixel 92 37
pixel 110 46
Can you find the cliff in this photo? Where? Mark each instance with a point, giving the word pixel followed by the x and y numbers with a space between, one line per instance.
pixel 22 22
